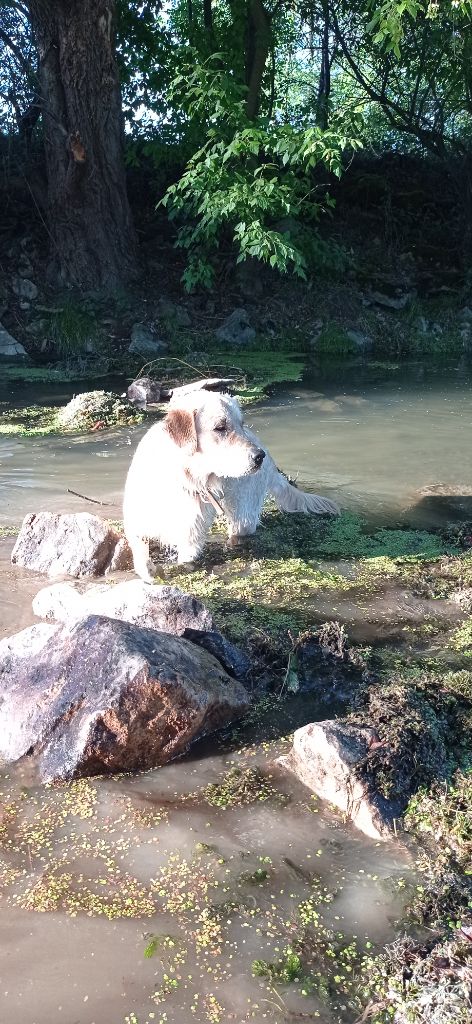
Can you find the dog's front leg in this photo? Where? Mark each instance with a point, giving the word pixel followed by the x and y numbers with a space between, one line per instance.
pixel 141 560
pixel 196 518
pixel 188 552
pixel 243 500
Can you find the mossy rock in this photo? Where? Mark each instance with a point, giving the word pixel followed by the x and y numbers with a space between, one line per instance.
pixel 84 412
pixel 97 407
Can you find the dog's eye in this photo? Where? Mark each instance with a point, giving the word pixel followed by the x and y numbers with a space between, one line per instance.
pixel 220 428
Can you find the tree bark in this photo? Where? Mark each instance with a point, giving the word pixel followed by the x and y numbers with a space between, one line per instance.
pixel 89 224
pixel 259 38
pixel 324 84
pixel 208 15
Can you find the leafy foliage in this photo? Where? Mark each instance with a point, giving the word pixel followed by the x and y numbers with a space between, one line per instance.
pixel 242 113
pixel 246 178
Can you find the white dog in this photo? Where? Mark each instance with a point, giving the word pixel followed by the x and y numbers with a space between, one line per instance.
pixel 201 461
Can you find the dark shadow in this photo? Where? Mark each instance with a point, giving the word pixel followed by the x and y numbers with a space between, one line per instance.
pixel 433 511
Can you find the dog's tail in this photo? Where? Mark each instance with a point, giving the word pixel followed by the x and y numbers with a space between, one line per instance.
pixel 290 499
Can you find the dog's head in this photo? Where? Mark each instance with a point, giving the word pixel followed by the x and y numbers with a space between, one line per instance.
pixel 210 431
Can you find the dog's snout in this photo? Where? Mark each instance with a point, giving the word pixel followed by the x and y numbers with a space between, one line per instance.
pixel 258 457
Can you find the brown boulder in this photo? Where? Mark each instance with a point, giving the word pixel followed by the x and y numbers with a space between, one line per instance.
pixel 106 696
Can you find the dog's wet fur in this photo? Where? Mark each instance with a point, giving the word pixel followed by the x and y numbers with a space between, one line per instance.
pixel 200 460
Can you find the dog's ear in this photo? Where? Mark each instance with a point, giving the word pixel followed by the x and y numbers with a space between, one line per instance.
pixel 180 424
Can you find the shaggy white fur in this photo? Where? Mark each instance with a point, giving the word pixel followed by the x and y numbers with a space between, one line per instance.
pixel 202 459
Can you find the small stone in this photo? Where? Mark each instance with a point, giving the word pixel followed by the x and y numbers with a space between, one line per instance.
pixel 237 329
pixel 144 342
pixel 10 349
pixel 144 392
pixel 25 289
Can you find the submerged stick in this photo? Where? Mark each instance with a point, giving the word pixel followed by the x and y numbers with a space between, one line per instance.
pixel 95 501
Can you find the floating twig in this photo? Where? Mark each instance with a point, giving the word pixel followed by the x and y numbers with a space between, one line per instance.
pixel 95 501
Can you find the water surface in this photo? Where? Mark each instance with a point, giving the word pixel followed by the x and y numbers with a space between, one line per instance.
pixel 391 443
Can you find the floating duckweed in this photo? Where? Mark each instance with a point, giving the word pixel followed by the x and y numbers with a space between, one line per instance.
pixel 241 786
pixel 461 639
pixel 183 885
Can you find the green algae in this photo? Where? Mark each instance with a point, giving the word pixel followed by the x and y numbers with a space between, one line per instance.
pixel 241 786
pixel 44 854
pixel 272 582
pixel 253 372
pixel 461 639
pixel 29 421
pixel 346 537
pixel 95 408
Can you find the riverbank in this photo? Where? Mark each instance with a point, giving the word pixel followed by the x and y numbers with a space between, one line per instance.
pixel 412 684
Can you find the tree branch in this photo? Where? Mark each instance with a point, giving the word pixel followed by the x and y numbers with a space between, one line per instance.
pixel 15 49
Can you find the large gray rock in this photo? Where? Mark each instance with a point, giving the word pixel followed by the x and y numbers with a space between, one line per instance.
pixel 145 343
pixel 77 544
pixel 237 329
pixel 10 349
pixel 106 696
pixel 325 756
pixel 150 606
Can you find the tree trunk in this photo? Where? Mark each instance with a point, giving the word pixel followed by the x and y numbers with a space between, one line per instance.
pixel 259 38
pixel 89 224
pixel 324 84
pixel 208 15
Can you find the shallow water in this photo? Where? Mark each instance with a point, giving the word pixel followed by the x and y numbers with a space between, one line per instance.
pixel 391 443
pixel 215 889
pixel 379 440
pixel 85 885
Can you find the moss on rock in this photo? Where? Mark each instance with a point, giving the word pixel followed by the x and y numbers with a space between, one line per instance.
pixel 86 411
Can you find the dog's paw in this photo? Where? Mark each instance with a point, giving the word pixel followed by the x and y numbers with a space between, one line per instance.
pixel 147 571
